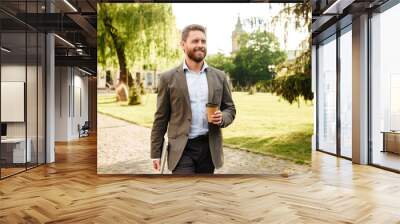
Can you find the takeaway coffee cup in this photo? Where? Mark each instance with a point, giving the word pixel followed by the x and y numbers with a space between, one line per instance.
pixel 211 108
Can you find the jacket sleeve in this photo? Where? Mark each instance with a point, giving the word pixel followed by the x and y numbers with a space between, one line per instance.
pixel 161 118
pixel 227 106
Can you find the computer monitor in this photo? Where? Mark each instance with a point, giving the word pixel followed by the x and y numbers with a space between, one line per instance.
pixel 3 129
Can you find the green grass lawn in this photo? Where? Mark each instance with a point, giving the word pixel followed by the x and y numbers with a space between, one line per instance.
pixel 263 124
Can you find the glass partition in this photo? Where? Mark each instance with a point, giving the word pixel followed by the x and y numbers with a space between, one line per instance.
pixel 327 95
pixel 385 89
pixel 346 93
pixel 22 101
pixel 13 94
pixel 31 97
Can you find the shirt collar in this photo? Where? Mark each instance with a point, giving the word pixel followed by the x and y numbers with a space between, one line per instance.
pixel 203 68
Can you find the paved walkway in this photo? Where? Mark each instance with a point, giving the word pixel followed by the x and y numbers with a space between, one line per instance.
pixel 124 148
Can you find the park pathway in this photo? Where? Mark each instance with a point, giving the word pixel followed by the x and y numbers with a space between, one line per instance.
pixel 124 148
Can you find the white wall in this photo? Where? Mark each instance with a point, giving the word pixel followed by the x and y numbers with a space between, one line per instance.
pixel 80 102
pixel 71 94
pixel 13 72
pixel 62 81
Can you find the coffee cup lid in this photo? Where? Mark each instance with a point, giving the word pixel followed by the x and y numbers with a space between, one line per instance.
pixel 211 104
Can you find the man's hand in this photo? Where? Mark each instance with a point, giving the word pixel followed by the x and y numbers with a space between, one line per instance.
pixel 156 164
pixel 217 117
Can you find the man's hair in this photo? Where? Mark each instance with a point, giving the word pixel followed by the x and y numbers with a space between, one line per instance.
pixel 187 29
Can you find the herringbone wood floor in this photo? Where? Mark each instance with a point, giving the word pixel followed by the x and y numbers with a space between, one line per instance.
pixel 70 191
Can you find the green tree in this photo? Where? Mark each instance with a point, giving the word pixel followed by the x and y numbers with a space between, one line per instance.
pixel 293 79
pixel 221 62
pixel 294 82
pixel 257 52
pixel 136 36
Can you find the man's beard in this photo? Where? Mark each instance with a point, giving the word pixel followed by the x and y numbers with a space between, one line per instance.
pixel 197 58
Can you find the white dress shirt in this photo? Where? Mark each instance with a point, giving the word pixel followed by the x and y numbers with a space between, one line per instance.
pixel 198 94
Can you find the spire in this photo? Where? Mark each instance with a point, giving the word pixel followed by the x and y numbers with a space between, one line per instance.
pixel 238 27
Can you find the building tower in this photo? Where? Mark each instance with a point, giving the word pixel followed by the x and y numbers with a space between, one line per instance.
pixel 235 35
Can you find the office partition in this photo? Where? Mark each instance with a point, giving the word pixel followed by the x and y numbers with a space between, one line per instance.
pixel 22 101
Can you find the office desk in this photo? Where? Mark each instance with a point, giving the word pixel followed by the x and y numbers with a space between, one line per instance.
pixel 15 148
pixel 391 141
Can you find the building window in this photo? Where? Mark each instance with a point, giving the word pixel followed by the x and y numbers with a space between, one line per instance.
pixel 346 92
pixel 327 95
pixel 385 89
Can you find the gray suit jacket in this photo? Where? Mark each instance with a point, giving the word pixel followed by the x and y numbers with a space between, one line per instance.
pixel 174 112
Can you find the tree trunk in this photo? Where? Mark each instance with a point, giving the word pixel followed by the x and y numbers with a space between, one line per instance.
pixel 125 90
pixel 121 87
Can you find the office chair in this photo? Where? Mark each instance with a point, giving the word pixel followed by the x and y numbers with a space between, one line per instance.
pixel 84 130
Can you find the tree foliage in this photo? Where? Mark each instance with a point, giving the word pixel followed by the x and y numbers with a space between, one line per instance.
pixel 221 62
pixel 293 79
pixel 136 37
pixel 257 52
pixel 251 63
pixel 295 82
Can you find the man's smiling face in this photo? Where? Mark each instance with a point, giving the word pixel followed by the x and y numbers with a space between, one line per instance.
pixel 195 46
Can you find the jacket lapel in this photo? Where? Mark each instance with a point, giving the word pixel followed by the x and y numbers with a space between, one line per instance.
pixel 210 82
pixel 182 83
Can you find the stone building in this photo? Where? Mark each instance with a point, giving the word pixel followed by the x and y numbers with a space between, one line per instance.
pixel 235 35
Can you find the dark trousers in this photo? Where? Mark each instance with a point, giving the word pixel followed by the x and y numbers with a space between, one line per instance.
pixel 196 157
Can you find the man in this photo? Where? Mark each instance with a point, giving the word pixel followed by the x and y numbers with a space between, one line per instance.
pixel 194 144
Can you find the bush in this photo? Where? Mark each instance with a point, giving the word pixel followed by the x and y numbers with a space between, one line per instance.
pixel 134 95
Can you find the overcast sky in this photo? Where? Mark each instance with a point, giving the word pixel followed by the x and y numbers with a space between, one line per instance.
pixel 220 20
